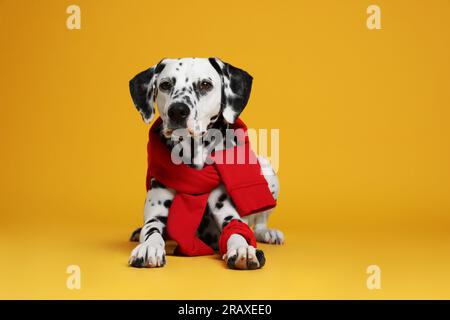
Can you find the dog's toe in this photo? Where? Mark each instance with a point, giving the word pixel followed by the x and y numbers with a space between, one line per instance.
pixel 137 262
pixel 231 261
pixel 147 256
pixel 245 258
pixel 272 236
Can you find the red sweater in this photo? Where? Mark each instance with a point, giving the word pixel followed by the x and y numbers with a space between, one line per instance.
pixel 244 183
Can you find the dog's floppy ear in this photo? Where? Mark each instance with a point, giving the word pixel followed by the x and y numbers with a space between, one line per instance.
pixel 236 87
pixel 143 91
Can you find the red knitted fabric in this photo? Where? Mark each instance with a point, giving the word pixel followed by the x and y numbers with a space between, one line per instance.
pixel 244 183
pixel 235 227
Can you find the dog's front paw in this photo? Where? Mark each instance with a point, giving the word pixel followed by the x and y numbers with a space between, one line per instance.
pixel 245 258
pixel 149 254
pixel 272 236
pixel 242 256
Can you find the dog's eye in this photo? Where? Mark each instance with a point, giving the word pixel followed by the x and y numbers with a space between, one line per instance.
pixel 205 86
pixel 165 86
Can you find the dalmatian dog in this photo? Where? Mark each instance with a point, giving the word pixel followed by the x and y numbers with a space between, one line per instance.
pixel 192 96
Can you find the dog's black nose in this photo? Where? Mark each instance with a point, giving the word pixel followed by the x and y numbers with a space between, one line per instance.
pixel 178 112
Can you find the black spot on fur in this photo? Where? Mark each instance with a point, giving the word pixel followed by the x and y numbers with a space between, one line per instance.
pixel 156 184
pixel 215 65
pixel 196 90
pixel 162 219
pixel 159 202
pixel 223 197
pixel 159 67
pixel 151 221
pixel 150 232
pixel 135 234
pixel 219 205
pixel 227 220
pixel 187 100
pixel 167 203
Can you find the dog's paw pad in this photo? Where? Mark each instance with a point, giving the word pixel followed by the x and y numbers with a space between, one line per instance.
pixel 137 262
pixel 147 255
pixel 231 261
pixel 245 258
pixel 272 236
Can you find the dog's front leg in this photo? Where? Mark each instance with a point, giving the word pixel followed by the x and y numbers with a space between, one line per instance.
pixel 239 255
pixel 150 252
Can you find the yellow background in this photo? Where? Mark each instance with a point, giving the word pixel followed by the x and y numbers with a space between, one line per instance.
pixel 364 132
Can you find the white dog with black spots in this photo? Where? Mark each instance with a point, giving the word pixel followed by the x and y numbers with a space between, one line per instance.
pixel 192 96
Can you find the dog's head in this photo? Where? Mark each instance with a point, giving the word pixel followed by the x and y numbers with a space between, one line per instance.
pixel 191 93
